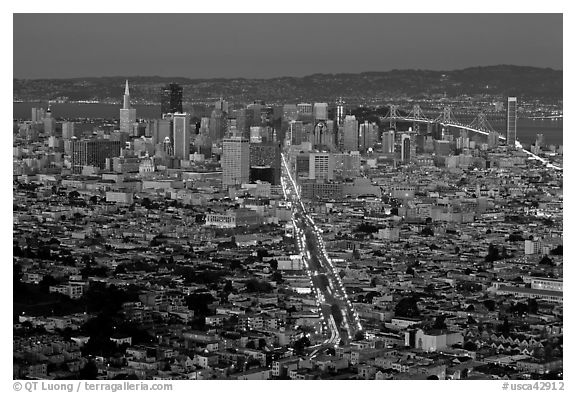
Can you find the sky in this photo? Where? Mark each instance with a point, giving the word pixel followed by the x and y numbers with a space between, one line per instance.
pixel 273 45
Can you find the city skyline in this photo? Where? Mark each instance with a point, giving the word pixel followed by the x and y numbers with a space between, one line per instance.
pixel 71 44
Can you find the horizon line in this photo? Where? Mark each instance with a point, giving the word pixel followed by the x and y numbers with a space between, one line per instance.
pixel 287 76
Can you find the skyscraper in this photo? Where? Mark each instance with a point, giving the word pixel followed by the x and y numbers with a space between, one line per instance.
pixel 321 166
pixel 388 142
pixel 511 119
pixel 405 148
pixel 93 153
pixel 67 130
pixel 320 111
pixel 127 114
pixel 235 161
pixel 49 122
pixel 218 124
pixel 265 162
pixel 339 112
pixel 350 138
pixel 171 99
pixel 181 136
pixel 367 135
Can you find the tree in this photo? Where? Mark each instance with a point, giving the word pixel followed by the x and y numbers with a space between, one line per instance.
pixel 250 345
pixel 427 231
pixel 470 346
pixel 532 306
pixel 46 282
pixel 359 336
pixel 89 371
pixel 273 263
pixel 440 323
pixel 493 254
pixel 407 307
pixel 410 270
pixel 277 277
pixel 558 250
pixel 489 304
pixel 546 261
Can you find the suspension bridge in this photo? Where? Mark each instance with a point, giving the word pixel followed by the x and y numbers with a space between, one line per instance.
pixel 479 125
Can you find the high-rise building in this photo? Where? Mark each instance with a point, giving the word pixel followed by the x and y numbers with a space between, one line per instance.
pixel 367 135
pixel 93 153
pixel 38 114
pixel 265 164
pixel 222 105
pixel 67 130
pixel 321 166
pixel 350 137
pixel 339 112
pixel 49 122
pixel 405 148
pixel 297 134
pixel 320 111
pixel 181 135
pixel 289 112
pixel 235 161
pixel 171 99
pixel 388 142
pixel 493 139
pixel 127 114
pixel 218 124
pixel 305 112
pixel 511 120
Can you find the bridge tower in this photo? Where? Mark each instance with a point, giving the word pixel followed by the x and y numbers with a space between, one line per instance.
pixel 392 116
pixel 481 123
pixel 418 117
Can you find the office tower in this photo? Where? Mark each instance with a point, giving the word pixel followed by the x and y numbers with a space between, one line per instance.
pixel 265 164
pixel 304 112
pixel 539 140
pixel 511 119
pixel 302 165
pixel 181 136
pixel 367 134
pixel 38 114
pixel 256 109
pixel 67 130
pixel 217 125
pixel 350 139
pixel 493 139
pixel 320 111
pixel 49 122
pixel 289 112
pixel 256 134
pixel 405 148
pixel 428 144
pixel 93 153
pixel 235 161
pixel 127 114
pixel 323 135
pixel 297 135
pixel 161 129
pixel 442 147
pixel 388 142
pixel 171 99
pixel 339 111
pixel 347 165
pixel 321 166
pixel 222 105
pixel 267 116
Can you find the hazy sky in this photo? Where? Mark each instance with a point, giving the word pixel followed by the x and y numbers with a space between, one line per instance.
pixel 269 45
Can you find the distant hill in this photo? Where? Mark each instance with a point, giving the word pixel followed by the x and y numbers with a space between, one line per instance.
pixel 500 80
